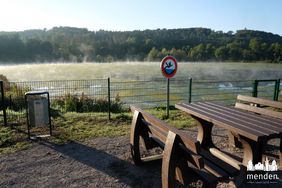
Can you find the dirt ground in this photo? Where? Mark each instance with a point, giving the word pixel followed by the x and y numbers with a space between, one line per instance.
pixel 98 162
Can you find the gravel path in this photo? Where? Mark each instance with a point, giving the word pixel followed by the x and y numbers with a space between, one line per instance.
pixel 99 162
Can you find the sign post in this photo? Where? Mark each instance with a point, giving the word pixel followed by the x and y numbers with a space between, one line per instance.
pixel 168 68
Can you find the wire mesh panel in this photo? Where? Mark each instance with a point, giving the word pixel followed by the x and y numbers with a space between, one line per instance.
pixel 143 93
pixel 67 95
pixel 266 89
pixel 179 90
pixel 220 91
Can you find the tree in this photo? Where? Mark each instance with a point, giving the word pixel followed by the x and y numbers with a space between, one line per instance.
pixel 153 54
pixel 79 44
pixel 221 53
pixel 198 53
pixel 276 50
pixel 179 54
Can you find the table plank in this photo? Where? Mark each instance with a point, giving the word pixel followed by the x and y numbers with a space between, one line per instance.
pixel 262 118
pixel 241 127
pixel 253 122
pixel 233 120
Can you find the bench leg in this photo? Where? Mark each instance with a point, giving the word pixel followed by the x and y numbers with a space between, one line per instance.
pixel 140 131
pixel 233 140
pixel 204 133
pixel 173 167
pixel 134 138
pixel 252 150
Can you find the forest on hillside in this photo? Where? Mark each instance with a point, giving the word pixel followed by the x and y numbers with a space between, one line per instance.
pixel 69 44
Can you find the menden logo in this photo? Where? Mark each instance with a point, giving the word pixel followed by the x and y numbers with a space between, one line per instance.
pixel 262 173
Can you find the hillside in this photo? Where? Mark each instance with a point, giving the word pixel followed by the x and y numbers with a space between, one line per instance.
pixel 68 44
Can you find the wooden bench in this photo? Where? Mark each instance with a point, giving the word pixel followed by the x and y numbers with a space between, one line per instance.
pixel 181 155
pixel 259 106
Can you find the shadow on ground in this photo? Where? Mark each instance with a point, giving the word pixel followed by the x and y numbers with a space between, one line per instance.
pixel 118 166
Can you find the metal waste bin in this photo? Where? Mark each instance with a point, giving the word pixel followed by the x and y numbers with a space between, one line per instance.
pixel 38 110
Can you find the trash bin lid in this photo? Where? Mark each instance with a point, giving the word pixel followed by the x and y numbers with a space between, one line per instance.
pixel 36 92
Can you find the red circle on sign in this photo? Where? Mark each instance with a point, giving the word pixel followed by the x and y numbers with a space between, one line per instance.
pixel 169 66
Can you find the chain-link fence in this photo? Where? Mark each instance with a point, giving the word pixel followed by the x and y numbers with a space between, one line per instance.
pixel 106 95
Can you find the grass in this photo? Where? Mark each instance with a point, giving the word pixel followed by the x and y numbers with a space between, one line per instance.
pixel 176 118
pixel 12 140
pixel 80 126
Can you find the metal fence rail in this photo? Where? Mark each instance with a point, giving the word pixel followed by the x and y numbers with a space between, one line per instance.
pixel 145 93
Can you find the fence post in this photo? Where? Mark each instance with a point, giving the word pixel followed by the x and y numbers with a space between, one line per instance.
pixel 3 103
pixel 109 98
pixel 255 88
pixel 167 99
pixel 190 90
pixel 276 90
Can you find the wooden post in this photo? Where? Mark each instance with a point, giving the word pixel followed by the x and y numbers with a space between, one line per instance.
pixel 190 90
pixel 109 98
pixel 255 88
pixel 3 102
pixel 276 90
pixel 167 99
pixel 49 112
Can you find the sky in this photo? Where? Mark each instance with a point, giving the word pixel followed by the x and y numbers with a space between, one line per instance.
pixel 128 15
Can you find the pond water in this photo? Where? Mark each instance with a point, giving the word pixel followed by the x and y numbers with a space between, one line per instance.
pixel 139 71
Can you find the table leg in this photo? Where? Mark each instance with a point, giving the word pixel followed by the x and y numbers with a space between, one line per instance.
pixel 280 154
pixel 253 150
pixel 233 140
pixel 204 133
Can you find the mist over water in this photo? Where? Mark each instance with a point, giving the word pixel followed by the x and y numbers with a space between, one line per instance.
pixel 139 71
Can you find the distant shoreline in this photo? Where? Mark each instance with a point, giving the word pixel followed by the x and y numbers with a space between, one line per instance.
pixel 139 71
pixel 132 62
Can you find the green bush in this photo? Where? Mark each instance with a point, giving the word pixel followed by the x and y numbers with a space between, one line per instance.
pixel 15 99
pixel 14 95
pixel 74 103
pixel 71 103
pixel 6 84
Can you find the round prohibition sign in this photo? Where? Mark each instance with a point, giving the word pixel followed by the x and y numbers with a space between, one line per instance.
pixel 169 66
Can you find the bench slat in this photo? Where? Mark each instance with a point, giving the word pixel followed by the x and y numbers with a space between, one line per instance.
pixel 228 168
pixel 266 102
pixel 156 131
pixel 205 175
pixel 193 146
pixel 158 141
pixel 259 110
pixel 219 154
pixel 160 136
pixel 215 170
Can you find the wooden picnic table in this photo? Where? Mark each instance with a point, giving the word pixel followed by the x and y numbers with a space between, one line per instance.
pixel 253 130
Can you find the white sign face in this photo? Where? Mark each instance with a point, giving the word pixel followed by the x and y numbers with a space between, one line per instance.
pixel 169 66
